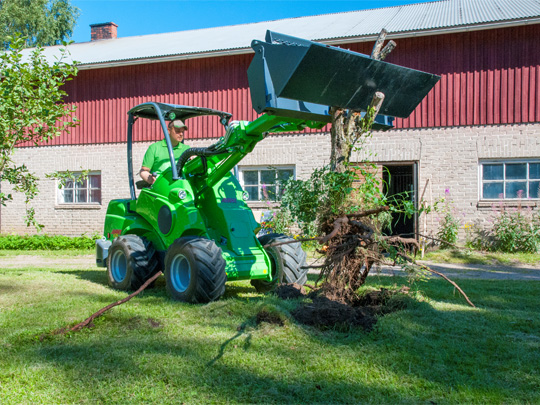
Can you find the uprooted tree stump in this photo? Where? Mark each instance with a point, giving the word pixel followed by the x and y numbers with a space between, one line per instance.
pixel 352 248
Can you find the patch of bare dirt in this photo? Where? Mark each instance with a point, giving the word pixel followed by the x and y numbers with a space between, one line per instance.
pixel 25 261
pixel 269 317
pixel 330 310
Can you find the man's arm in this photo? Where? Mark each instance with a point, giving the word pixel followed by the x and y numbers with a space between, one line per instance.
pixel 147 164
pixel 146 175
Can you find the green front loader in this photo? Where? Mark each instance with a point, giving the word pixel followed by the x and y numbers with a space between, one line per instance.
pixel 194 222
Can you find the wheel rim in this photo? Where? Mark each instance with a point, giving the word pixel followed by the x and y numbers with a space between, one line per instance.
pixel 118 266
pixel 180 273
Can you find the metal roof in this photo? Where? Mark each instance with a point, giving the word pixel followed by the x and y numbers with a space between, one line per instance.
pixel 400 21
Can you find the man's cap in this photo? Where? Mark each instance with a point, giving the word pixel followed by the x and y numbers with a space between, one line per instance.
pixel 179 124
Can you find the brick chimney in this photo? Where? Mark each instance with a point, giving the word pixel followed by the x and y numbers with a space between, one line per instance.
pixel 103 31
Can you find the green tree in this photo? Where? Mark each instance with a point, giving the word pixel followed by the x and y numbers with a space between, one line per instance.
pixel 42 22
pixel 31 111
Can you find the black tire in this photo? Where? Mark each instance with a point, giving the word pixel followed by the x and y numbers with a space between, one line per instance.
pixel 288 262
pixel 195 270
pixel 131 261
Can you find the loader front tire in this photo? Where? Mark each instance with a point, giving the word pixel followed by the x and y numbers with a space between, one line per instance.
pixel 288 262
pixel 132 260
pixel 195 270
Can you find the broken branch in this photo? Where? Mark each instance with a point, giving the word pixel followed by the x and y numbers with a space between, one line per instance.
pixel 375 53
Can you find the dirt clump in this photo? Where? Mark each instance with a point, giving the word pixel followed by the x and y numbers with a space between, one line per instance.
pixel 330 310
pixel 290 291
pixel 269 317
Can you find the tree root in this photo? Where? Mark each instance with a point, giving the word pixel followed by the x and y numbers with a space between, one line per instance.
pixel 88 320
pixel 411 260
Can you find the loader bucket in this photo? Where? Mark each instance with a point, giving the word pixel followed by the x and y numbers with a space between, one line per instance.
pixel 293 74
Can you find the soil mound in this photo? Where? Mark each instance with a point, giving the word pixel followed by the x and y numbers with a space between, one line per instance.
pixel 325 313
pixel 331 310
pixel 290 291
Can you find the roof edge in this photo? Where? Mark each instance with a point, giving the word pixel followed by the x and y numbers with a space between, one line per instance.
pixel 328 41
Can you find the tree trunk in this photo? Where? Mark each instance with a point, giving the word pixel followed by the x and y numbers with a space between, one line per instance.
pixel 340 147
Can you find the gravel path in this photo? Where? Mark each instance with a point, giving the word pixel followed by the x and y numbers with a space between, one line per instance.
pixel 477 271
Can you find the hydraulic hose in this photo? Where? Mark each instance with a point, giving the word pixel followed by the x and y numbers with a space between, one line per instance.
pixel 212 150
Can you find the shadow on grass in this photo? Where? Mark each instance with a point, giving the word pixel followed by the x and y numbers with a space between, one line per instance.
pixel 9 288
pixel 194 374
pixel 416 351
pixel 440 352
pixel 95 276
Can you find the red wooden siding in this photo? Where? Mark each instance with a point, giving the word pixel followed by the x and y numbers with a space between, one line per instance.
pixel 487 77
pixel 104 96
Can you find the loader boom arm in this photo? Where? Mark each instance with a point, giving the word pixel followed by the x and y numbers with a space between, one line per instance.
pixel 240 139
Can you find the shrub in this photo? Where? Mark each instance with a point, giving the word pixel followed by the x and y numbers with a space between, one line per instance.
pixel 517 231
pixel 46 242
pixel 449 224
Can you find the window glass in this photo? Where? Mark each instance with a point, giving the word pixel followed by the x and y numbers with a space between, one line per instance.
pixel 516 189
pixel 95 196
pixel 534 171
pixel 516 171
pixel 269 192
pixel 534 187
pixel 251 177
pixel 81 184
pixel 493 190
pixel 268 176
pixel 67 195
pixel 95 181
pixel 284 175
pixel 81 196
pixel 493 172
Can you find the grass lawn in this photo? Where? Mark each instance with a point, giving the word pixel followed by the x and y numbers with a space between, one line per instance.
pixel 155 350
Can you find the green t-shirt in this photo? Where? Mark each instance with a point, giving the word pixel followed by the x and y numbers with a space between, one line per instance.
pixel 157 159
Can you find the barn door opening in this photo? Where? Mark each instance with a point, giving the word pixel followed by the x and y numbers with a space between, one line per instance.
pixel 400 180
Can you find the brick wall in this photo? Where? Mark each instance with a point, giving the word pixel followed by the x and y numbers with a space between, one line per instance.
pixel 447 159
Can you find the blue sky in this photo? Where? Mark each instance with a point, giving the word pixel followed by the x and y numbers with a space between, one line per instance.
pixel 142 17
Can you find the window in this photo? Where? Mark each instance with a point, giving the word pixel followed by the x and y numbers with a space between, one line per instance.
pixel 265 184
pixel 86 191
pixel 510 180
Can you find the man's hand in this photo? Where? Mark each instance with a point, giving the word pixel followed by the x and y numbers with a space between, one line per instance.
pixel 146 175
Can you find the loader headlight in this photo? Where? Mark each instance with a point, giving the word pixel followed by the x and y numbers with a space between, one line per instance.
pixel 245 196
pixel 182 194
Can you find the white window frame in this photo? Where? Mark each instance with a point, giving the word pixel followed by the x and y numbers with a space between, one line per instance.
pixel 504 181
pixel 61 190
pixel 242 169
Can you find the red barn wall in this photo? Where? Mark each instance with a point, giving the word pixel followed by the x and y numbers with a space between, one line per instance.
pixel 487 77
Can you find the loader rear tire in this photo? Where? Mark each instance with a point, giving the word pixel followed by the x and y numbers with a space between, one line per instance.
pixel 288 262
pixel 132 260
pixel 195 270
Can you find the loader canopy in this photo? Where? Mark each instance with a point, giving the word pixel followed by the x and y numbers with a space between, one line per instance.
pixel 171 112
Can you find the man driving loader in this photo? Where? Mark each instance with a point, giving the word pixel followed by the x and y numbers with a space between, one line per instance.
pixel 156 159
